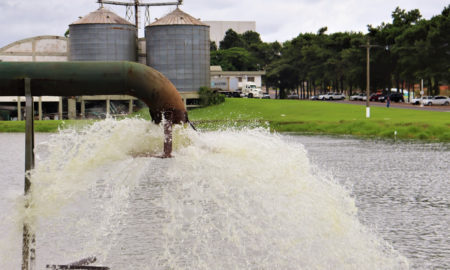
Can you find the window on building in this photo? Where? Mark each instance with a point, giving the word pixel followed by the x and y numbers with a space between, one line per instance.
pixel 250 79
pixel 239 79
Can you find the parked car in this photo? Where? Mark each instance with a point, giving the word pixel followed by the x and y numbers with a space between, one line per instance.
pixel 266 96
pixel 325 96
pixel 357 96
pixel 295 96
pixel 396 97
pixel 377 97
pixel 314 97
pixel 426 98
pixel 437 100
pixel 336 96
pixel 416 101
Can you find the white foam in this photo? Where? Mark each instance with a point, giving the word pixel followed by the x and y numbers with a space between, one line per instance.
pixel 232 199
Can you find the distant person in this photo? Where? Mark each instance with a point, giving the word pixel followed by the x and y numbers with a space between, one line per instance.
pixel 388 102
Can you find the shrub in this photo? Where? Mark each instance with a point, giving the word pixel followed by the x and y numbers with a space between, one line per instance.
pixel 210 97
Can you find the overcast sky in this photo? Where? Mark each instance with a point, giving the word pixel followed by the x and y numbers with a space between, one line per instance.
pixel 275 20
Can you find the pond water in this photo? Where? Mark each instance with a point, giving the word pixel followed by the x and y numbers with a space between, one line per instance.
pixel 230 199
pixel 401 190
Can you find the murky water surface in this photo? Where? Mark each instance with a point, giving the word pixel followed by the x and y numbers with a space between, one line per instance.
pixel 229 200
pixel 401 189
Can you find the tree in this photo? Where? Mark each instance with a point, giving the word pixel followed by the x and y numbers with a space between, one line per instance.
pixel 231 40
pixel 418 48
pixel 283 76
pixel 322 31
pixel 251 38
pixel 386 66
pixel 234 59
pixel 260 53
pixel 212 46
pixel 437 49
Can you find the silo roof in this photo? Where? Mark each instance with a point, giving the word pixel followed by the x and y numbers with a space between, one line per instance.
pixel 102 16
pixel 177 17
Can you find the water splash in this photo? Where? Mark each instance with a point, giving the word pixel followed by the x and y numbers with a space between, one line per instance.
pixel 249 200
pixel 232 199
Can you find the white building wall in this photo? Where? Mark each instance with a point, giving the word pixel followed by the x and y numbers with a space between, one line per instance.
pixel 51 45
pixel 36 49
pixel 241 79
pixel 26 46
pixel 219 28
pixel 256 80
pixel 16 58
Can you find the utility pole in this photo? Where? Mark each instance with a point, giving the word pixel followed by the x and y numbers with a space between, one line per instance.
pixel 136 13
pixel 136 4
pixel 421 92
pixel 28 238
pixel 368 79
pixel 368 46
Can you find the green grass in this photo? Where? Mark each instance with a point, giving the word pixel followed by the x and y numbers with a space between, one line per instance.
pixel 42 126
pixel 326 118
pixel 311 117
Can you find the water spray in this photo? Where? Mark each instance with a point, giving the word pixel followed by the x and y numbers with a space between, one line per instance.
pixel 87 78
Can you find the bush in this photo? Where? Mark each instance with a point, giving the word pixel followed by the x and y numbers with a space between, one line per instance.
pixel 210 97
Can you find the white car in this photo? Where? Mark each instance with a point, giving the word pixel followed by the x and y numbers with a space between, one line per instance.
pixel 325 96
pixel 437 100
pixel 358 96
pixel 416 101
pixel 337 96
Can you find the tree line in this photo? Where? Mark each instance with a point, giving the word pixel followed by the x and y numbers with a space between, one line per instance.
pixel 408 49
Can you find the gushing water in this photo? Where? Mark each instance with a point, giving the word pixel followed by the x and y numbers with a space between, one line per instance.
pixel 232 199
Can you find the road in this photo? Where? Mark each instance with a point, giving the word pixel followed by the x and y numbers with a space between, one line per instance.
pixel 402 105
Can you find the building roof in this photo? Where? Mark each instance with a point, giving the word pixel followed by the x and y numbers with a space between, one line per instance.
pixel 177 17
pixel 102 16
pixel 215 68
pixel 237 73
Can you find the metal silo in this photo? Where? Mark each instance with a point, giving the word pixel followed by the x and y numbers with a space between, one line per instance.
pixel 102 36
pixel 178 46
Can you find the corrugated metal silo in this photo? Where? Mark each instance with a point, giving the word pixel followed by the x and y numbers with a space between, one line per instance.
pixel 178 46
pixel 102 36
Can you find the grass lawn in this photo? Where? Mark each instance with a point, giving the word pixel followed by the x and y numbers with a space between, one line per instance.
pixel 297 116
pixel 326 118
pixel 43 125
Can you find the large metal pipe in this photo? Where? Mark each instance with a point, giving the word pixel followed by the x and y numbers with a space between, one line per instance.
pixel 95 78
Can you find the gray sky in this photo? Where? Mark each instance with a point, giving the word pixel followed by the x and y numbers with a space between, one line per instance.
pixel 275 20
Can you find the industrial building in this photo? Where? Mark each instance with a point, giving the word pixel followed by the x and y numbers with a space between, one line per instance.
pixel 35 49
pixel 177 45
pixel 102 36
pixel 241 77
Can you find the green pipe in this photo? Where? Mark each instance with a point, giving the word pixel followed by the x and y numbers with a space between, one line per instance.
pixel 95 78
